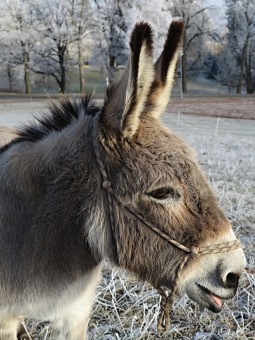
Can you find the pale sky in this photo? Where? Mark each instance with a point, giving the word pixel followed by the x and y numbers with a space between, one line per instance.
pixel 219 3
pixel 218 14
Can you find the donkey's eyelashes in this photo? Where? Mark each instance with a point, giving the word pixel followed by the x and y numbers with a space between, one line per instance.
pixel 164 194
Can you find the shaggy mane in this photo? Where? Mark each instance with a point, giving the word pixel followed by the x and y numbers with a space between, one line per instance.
pixel 59 116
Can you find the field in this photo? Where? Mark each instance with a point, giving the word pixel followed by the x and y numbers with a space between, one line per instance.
pixel 126 309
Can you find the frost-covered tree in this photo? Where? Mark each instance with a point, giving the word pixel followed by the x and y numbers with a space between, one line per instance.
pixel 250 66
pixel 116 19
pixel 53 26
pixel 110 35
pixel 16 38
pixel 196 27
pixel 240 40
pixel 60 25
pixel 227 73
pixel 82 22
pixel 158 15
pixel 10 74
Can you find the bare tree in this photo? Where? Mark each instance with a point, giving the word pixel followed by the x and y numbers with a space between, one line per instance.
pixel 53 27
pixel 60 25
pixel 250 66
pixel 241 30
pixel 227 68
pixel 112 27
pixel 195 17
pixel 10 74
pixel 157 15
pixel 82 22
pixel 16 37
pixel 116 18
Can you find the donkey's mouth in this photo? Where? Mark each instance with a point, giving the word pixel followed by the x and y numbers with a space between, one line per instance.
pixel 215 303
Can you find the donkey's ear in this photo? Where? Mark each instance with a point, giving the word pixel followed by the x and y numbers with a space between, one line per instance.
pixel 165 69
pixel 126 99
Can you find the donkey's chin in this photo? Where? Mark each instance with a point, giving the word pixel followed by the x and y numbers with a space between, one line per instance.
pixel 207 298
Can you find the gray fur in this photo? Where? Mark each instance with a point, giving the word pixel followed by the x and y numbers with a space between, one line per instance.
pixel 55 228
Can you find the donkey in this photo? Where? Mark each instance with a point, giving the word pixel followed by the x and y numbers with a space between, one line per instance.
pixel 86 184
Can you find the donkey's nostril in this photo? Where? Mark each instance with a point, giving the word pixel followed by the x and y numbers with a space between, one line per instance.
pixel 232 280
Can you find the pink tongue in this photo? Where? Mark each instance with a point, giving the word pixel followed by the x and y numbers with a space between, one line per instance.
pixel 216 299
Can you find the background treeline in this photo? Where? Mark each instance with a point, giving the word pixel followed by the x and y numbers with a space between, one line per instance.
pixel 46 39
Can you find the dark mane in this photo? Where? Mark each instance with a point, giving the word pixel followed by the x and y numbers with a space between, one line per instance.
pixel 59 116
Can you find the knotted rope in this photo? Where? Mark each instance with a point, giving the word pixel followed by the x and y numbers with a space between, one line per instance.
pixel 166 297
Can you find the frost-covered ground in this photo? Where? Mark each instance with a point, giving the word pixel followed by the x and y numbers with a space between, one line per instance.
pixel 126 309
pixel 242 107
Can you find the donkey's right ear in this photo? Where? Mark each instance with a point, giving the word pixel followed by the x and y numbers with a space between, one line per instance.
pixel 165 69
pixel 126 99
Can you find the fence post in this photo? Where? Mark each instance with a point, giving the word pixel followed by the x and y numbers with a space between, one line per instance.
pixel 217 127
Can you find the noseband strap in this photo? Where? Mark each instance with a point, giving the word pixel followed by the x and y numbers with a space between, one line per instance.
pixel 167 297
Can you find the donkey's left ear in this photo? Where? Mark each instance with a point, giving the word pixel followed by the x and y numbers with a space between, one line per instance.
pixel 127 98
pixel 165 68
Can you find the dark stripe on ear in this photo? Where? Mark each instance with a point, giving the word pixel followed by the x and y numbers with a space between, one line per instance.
pixel 141 33
pixel 172 44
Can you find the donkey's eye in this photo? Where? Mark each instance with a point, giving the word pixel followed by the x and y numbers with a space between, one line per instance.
pixel 165 193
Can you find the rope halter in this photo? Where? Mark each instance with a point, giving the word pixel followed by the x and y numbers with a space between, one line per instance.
pixel 167 297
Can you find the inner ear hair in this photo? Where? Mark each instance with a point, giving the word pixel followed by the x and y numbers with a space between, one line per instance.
pixel 165 68
pixel 141 77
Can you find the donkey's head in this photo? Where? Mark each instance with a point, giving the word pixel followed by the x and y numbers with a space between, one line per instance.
pixel 155 174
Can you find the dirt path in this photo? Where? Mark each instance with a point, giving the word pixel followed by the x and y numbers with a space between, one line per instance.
pixel 242 107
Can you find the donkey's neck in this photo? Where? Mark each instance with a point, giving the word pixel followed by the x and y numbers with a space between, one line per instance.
pixel 55 181
pixel 59 181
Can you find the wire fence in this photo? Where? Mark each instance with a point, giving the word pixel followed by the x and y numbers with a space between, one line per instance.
pixel 184 124
pixel 12 113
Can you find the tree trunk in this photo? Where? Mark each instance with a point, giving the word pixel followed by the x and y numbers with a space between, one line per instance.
pixel 81 68
pixel 62 79
pixel 242 66
pixel 61 56
pixel 10 76
pixel 83 8
pixel 112 67
pixel 184 64
pixel 27 78
pixel 26 71
pixel 248 67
